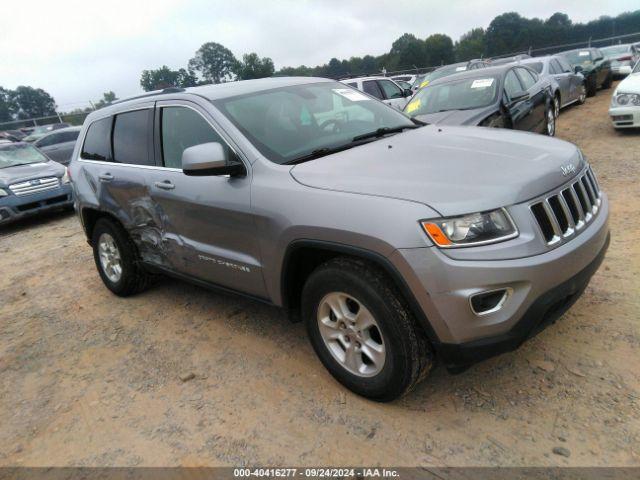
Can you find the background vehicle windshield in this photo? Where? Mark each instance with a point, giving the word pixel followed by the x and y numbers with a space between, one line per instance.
pixel 20 154
pixel 615 50
pixel 464 94
pixel 537 66
pixel 290 122
pixel 576 57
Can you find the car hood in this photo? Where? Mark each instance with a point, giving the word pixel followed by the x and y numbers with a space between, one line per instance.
pixel 23 173
pixel 453 170
pixel 458 117
pixel 631 84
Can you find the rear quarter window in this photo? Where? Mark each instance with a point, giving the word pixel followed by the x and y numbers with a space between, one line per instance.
pixel 97 142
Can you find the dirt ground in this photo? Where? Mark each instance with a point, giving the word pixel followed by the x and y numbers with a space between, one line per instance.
pixel 90 379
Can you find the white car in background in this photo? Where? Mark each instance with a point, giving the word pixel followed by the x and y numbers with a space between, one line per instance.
pixel 625 103
pixel 384 89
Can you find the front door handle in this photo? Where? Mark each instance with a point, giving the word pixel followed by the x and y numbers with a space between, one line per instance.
pixel 166 185
pixel 105 177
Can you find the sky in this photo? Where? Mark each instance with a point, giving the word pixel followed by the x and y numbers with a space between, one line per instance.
pixel 76 50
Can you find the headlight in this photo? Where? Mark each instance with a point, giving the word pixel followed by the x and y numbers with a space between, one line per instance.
pixel 3 193
pixel 65 177
pixel 470 230
pixel 626 99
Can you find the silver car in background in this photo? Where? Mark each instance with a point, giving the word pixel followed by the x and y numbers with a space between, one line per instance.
pixel 59 144
pixel 622 57
pixel 395 242
pixel 567 86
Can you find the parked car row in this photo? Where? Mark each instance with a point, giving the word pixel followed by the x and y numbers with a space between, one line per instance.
pixel 56 141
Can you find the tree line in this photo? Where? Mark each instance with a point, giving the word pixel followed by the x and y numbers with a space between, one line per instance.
pixel 507 33
pixel 214 63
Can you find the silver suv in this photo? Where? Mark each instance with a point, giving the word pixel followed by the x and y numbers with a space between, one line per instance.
pixel 395 242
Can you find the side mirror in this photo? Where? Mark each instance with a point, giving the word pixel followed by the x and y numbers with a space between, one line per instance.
pixel 519 97
pixel 408 92
pixel 577 69
pixel 209 159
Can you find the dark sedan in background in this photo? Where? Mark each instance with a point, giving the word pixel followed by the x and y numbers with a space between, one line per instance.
pixel 510 96
pixel 423 80
pixel 567 86
pixel 595 67
pixel 59 144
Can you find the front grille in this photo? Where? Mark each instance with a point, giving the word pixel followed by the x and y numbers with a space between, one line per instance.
pixel 35 186
pixel 567 211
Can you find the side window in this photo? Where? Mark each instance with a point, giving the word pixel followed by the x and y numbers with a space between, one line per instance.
pixel 181 128
pixel 353 84
pixel 566 68
pixel 511 84
pixel 97 143
pixel 131 138
pixel 390 89
pixel 554 67
pixel 526 77
pixel 69 136
pixel 371 87
pixel 48 140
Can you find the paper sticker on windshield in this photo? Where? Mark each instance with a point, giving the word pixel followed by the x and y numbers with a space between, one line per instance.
pixel 351 94
pixel 461 69
pixel 482 83
pixel 583 54
pixel 413 105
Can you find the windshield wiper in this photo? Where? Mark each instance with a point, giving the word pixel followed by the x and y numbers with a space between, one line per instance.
pixel 384 131
pixel 321 152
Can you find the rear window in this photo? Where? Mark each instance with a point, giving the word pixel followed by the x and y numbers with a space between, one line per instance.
pixel 97 143
pixel 130 138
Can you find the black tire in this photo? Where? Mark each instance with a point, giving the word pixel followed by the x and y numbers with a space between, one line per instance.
pixel 409 356
pixel 608 81
pixel 592 86
pixel 133 278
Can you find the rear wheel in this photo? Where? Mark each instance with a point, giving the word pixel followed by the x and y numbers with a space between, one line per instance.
pixel 550 129
pixel 116 258
pixel 556 105
pixel 362 331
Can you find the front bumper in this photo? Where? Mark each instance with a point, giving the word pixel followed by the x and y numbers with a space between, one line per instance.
pixel 14 207
pixel 542 287
pixel 625 117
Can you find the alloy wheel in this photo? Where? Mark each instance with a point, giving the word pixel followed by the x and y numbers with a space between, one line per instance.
pixel 551 123
pixel 583 94
pixel 351 334
pixel 556 107
pixel 110 259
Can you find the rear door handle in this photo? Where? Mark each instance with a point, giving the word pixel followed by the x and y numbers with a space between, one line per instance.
pixel 105 177
pixel 166 185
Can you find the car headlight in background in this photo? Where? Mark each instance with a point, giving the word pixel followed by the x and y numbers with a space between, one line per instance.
pixel 626 99
pixel 3 193
pixel 470 230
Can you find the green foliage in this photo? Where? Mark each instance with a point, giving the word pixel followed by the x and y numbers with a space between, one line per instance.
pixel 32 102
pixel 253 66
pixel 407 52
pixel 164 77
pixel 107 98
pixel 471 45
pixel 214 62
pixel 439 49
pixel 7 105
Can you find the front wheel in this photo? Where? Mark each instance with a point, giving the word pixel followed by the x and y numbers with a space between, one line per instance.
pixel 116 259
pixel 608 81
pixel 556 105
pixel 592 86
pixel 362 331
pixel 550 129
pixel 582 97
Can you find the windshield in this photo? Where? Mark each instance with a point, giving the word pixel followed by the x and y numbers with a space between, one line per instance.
pixel 466 94
pixel 440 73
pixel 20 154
pixel 294 121
pixel 576 57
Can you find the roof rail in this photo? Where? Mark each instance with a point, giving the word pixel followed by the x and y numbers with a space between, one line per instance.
pixel 149 94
